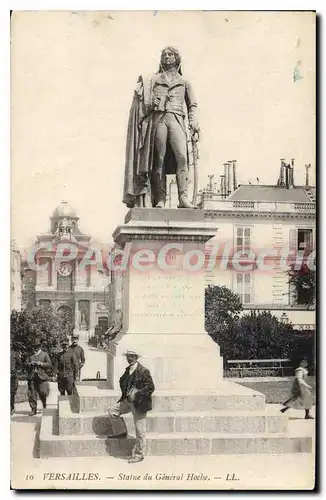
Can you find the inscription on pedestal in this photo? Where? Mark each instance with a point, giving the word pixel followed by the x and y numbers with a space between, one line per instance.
pixel 174 298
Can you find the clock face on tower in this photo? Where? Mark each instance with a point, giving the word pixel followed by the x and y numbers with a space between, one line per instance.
pixel 64 269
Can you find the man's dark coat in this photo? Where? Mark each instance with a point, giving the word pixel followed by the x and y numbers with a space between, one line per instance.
pixel 142 380
pixel 41 372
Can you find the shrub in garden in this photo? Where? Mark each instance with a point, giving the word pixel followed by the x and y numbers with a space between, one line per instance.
pixel 222 310
pixel 303 347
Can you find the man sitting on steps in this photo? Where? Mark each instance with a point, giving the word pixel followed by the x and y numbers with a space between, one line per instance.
pixel 137 387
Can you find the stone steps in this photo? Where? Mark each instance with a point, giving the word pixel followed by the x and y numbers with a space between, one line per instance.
pixel 229 397
pixel 164 422
pixel 175 443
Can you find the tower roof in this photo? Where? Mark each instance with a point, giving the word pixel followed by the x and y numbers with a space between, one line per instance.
pixel 64 210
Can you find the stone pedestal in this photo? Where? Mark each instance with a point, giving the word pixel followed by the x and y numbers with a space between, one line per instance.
pixel 163 299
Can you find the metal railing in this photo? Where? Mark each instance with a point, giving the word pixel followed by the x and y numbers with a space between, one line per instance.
pixel 259 367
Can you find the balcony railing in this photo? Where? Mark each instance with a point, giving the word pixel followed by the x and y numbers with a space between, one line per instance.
pixel 243 204
pixel 66 287
pixel 303 207
pixel 258 206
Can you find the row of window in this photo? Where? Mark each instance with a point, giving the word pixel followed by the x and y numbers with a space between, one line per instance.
pixel 244 288
pixel 299 239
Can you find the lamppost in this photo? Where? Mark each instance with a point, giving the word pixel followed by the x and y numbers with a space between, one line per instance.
pixel 285 319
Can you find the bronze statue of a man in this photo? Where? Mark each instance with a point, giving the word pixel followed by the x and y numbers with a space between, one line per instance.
pixel 162 114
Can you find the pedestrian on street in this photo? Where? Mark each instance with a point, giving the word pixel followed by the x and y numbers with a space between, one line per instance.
pixel 137 387
pixel 301 392
pixel 66 368
pixel 15 366
pixel 79 353
pixel 39 367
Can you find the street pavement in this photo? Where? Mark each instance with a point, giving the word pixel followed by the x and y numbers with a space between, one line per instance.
pixel 95 362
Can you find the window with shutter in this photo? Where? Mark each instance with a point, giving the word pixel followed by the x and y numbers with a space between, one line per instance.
pixel 301 239
pixel 293 240
pixel 244 287
pixel 305 239
pixel 243 238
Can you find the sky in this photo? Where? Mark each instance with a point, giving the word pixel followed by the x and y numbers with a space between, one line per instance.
pixel 73 75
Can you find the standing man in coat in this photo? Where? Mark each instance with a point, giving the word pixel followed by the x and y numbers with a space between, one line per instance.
pixel 39 367
pixel 137 387
pixel 66 368
pixel 78 352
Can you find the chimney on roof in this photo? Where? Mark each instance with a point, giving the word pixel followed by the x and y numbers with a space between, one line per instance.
pixel 287 180
pixel 234 166
pixel 289 174
pixel 307 173
pixel 222 186
pixel 292 173
pixel 230 177
pixel 282 173
pixel 226 178
pixel 210 185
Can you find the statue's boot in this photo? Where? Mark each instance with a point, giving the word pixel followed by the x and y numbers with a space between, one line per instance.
pixel 182 183
pixel 159 187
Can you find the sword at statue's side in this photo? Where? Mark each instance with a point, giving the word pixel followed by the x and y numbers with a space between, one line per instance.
pixel 195 155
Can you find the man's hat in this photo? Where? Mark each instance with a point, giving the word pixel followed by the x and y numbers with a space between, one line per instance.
pixel 130 352
pixel 75 336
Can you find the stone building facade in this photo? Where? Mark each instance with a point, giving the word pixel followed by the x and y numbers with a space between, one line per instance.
pixel 73 287
pixel 271 221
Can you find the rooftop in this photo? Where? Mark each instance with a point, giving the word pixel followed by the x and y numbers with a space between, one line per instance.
pixel 256 192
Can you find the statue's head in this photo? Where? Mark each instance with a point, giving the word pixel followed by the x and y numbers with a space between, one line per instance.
pixel 170 57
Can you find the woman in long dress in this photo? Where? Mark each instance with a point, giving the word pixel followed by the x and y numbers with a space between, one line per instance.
pixel 301 392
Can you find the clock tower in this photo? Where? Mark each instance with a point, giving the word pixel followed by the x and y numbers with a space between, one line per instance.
pixel 78 291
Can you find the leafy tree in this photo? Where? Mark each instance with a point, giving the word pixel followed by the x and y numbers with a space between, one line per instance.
pixel 222 310
pixel 37 322
pixel 258 335
pixel 303 281
pixel 66 323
